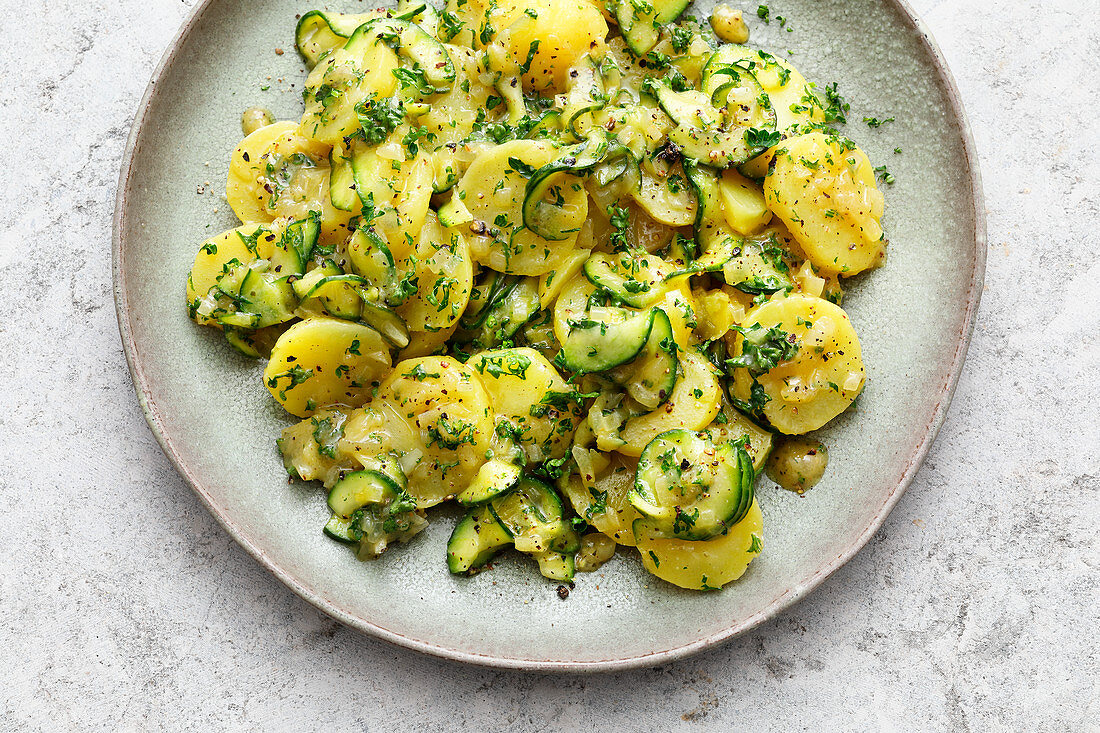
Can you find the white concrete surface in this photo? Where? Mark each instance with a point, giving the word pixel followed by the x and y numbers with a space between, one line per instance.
pixel 123 605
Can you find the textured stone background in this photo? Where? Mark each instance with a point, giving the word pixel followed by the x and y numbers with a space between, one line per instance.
pixel 123 605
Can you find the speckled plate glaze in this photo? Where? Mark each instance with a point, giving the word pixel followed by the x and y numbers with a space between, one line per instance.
pixel 216 422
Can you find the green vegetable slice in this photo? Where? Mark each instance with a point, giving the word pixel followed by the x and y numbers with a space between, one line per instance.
pixel 689 488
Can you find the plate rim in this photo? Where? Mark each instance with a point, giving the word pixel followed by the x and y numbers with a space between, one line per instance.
pixel 776 606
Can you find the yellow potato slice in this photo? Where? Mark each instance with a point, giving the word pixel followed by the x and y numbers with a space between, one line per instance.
pixel 824 191
pixel 321 362
pixel 615 515
pixel 493 192
pixel 528 391
pixel 217 255
pixel 824 376
pixel 277 172
pixel 743 203
pixel 447 403
pixel 695 401
pixel 342 80
pixel 705 565
pixel 564 30
pixel 444 276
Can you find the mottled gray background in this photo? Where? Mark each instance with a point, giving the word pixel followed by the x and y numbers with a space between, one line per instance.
pixel 123 605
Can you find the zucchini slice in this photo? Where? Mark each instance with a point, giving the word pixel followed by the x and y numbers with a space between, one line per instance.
pixel 691 489
pixel 268 297
pixel 319 33
pixel 493 479
pixel 717 136
pixel 360 488
pixel 476 538
pixel 342 529
pixel 638 24
pixel 383 320
pixel 605 338
pixel 531 513
pixel 635 278
pixel 336 292
pixel 557 566
pixel 586 95
pixel 548 207
pixel 651 377
pixel 420 49
pixel 341 183
pixel 510 306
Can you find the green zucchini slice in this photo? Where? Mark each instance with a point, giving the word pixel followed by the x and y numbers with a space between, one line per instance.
pixel 420 49
pixel 691 489
pixel 389 466
pixel 544 209
pixel 343 529
pixel 361 488
pixel 651 377
pixel 605 338
pixel 639 25
pixel 319 32
pixel 476 538
pixel 557 566
pixel 294 247
pixel 383 320
pixel 586 94
pixel 716 136
pixel 493 479
pixel 635 278
pixel 341 188
pixel 267 296
pixel 531 513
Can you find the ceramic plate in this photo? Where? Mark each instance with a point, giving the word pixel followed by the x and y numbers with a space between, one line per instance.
pixel 217 423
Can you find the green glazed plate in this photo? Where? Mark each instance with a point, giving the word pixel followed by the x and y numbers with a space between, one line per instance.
pixel 216 422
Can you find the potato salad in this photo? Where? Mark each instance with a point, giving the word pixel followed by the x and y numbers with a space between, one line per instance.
pixel 574 265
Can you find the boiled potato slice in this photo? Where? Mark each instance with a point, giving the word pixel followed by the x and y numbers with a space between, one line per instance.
pixel 823 377
pixel 426 343
pixel 325 361
pixel 613 514
pixel 561 31
pixel 448 405
pixel 552 283
pixel 342 80
pixel 527 390
pixel 743 203
pixel 433 474
pixel 706 565
pixel 824 191
pixel 444 276
pixel 493 192
pixel 452 115
pixel 276 172
pixel 218 255
pixel 695 401
pixel 737 426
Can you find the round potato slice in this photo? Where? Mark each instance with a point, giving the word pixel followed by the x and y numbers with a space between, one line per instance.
pixel 493 191
pixel 216 256
pixel 527 390
pixel 706 565
pixel 320 362
pixel 823 189
pixel 452 413
pixel 824 375
pixel 276 172
pixel 696 400
pixel 444 276
pixel 548 37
